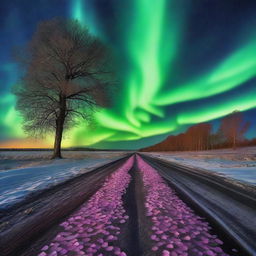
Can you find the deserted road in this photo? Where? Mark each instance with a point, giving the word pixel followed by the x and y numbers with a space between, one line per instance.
pixel 135 206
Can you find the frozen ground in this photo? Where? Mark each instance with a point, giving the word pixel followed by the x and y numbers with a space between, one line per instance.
pixel 21 159
pixel 239 164
pixel 24 172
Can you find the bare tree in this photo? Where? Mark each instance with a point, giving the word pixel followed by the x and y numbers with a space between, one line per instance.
pixel 233 128
pixel 66 77
pixel 197 137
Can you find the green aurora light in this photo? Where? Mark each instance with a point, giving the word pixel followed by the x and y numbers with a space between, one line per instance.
pixel 151 42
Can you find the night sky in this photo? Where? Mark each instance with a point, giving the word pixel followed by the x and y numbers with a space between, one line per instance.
pixel 181 62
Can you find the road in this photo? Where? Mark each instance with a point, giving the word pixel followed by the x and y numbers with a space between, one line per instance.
pixel 135 206
pixel 230 207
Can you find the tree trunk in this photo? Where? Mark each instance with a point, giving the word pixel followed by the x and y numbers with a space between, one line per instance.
pixel 59 129
pixel 234 142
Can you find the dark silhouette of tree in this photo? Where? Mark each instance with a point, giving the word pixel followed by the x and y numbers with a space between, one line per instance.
pixel 199 137
pixel 233 128
pixel 217 140
pixel 66 77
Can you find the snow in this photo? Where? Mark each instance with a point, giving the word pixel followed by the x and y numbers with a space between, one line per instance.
pixel 33 171
pixel 96 225
pixel 238 164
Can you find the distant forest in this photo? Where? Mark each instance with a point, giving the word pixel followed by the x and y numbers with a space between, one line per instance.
pixel 201 137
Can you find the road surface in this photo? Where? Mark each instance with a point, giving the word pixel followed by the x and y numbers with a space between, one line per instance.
pixel 135 206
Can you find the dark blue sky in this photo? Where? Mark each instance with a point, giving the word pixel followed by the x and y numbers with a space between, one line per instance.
pixel 213 35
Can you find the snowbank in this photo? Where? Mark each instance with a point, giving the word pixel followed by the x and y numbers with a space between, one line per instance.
pixel 15 184
pixel 238 164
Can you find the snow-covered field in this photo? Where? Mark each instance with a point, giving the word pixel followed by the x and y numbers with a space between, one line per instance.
pixel 23 172
pixel 238 164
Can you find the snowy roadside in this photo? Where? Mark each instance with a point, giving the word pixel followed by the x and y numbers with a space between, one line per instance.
pixel 238 164
pixel 16 184
pixel 21 159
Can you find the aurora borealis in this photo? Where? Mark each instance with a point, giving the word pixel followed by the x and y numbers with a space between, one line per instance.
pixel 181 62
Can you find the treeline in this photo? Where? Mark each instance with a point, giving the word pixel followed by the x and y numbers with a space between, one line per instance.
pixel 201 137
